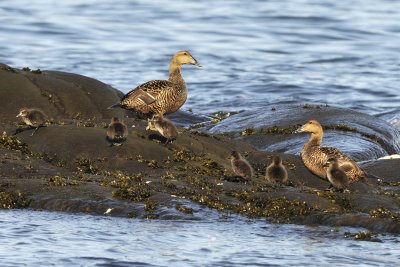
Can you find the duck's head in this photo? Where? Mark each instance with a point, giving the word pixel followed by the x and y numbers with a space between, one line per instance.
pixel 277 160
pixel 330 161
pixel 114 119
pixel 236 155
pixel 312 126
pixel 157 117
pixel 184 57
pixel 23 112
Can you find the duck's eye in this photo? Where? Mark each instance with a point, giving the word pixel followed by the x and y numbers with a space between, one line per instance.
pixel 310 122
pixel 185 54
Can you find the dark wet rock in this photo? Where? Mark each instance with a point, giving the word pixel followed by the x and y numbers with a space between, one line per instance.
pixel 58 94
pixel 361 136
pixel 69 166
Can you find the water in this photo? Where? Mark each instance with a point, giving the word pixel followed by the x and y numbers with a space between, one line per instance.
pixel 254 53
pixel 63 240
pixel 344 53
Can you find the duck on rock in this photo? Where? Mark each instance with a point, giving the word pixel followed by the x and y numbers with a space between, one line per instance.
pixel 160 96
pixel 314 155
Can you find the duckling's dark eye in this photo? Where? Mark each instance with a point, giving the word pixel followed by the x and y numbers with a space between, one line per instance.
pixel 185 54
pixel 310 122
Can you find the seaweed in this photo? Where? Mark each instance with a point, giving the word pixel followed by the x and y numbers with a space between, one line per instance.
pixel 13 200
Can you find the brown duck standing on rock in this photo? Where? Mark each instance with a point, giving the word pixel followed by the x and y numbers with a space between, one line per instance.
pixel 314 155
pixel 160 96
pixel 164 126
pixel 336 176
pixel 117 132
pixel 276 172
pixel 33 117
pixel 241 166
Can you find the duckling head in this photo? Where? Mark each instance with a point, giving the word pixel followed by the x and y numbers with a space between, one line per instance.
pixel 277 160
pixel 157 117
pixel 114 119
pixel 23 112
pixel 330 162
pixel 312 126
pixel 184 57
pixel 236 155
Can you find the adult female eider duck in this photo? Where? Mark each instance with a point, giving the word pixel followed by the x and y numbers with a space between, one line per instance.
pixel 314 155
pixel 160 96
pixel 336 176
pixel 33 117
pixel 117 132
pixel 276 172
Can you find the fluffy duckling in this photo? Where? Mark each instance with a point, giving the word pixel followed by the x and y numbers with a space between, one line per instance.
pixel 314 155
pixel 33 117
pixel 241 166
pixel 164 126
pixel 160 96
pixel 336 176
pixel 117 132
pixel 276 172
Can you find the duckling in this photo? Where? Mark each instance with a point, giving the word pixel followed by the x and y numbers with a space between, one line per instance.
pixel 336 176
pixel 241 166
pixel 33 117
pixel 276 172
pixel 314 155
pixel 164 126
pixel 160 96
pixel 117 132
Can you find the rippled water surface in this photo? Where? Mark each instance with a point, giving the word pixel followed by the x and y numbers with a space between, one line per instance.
pixel 43 238
pixel 344 53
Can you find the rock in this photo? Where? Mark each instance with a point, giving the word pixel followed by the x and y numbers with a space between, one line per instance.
pixel 69 166
pixel 58 94
pixel 361 136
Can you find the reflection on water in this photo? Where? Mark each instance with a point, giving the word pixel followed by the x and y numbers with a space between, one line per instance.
pixel 41 238
pixel 344 53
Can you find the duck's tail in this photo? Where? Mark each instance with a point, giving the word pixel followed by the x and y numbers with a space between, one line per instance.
pixel 118 105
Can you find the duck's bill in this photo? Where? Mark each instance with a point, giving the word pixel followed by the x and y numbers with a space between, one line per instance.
pixel 196 63
pixel 300 130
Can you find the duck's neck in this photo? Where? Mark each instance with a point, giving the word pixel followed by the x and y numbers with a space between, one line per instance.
pixel 175 73
pixel 315 139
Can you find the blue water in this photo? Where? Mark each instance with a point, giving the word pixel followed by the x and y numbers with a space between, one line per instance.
pixel 343 53
pixel 43 238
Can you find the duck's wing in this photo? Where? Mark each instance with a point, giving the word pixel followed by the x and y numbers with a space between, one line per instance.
pixel 345 162
pixel 148 92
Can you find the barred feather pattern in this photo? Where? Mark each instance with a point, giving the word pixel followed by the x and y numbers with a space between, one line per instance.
pixel 169 97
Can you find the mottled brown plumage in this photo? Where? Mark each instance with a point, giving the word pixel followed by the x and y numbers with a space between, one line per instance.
pixel 117 132
pixel 276 172
pixel 314 156
pixel 241 166
pixel 336 176
pixel 160 96
pixel 164 126
pixel 32 117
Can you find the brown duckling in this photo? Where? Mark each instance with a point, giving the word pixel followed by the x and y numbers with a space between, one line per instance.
pixel 117 132
pixel 336 176
pixel 314 155
pixel 276 172
pixel 164 126
pixel 160 96
pixel 241 166
pixel 33 117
